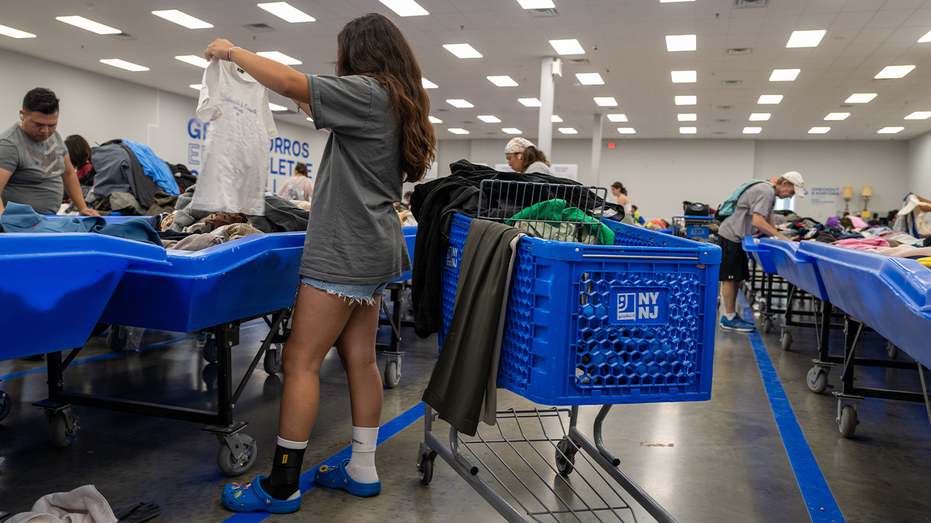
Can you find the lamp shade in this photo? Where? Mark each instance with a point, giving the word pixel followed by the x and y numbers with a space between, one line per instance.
pixel 847 192
pixel 867 191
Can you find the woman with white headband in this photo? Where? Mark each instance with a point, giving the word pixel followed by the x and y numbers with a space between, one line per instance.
pixel 524 157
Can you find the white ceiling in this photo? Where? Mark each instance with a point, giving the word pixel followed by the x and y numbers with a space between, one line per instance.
pixel 623 40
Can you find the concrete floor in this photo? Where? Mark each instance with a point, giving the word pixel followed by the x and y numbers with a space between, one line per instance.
pixel 716 461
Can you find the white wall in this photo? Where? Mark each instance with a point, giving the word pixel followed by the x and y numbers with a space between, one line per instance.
pixel 101 108
pixel 919 165
pixel 660 174
pixel 834 164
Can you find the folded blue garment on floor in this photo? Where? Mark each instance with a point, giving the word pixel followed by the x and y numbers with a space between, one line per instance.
pixel 22 218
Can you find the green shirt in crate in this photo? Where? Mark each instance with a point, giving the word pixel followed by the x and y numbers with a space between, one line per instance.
pixel 34 162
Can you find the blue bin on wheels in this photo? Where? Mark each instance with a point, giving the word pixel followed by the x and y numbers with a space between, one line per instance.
pixel 795 266
pixel 632 322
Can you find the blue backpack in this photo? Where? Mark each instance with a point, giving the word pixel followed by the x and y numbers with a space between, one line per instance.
pixel 730 205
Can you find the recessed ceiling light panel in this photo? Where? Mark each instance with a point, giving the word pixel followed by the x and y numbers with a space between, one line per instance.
pixel 276 107
pixel 530 102
pixel 687 117
pixel 676 43
pixel 193 60
pixel 805 38
pixel 617 117
pixel 427 84
pixel 819 130
pixel 489 118
pixel 606 101
pixel 536 4
pixel 860 98
pixel 686 100
pixel 894 71
pixel 784 75
pixel 14 33
pixel 88 25
pixel 405 7
pixel 684 77
pixel 688 130
pixel 279 57
pixel 760 117
pixel 890 130
pixel 196 87
pixel 457 130
pixel 919 115
pixel 568 130
pixel 434 119
pixel 123 64
pixel 836 116
pixel 459 103
pixel 182 19
pixel 462 50
pixel 626 130
pixel 555 119
pixel 770 99
pixel 512 130
pixel 502 81
pixel 590 79
pixel 752 130
pixel 564 47
pixel 287 12
pixel 925 39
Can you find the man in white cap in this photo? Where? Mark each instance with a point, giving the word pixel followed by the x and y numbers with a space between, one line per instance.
pixel 754 208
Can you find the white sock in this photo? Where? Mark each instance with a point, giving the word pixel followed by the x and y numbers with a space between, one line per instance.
pixel 293 445
pixel 361 465
pixel 731 316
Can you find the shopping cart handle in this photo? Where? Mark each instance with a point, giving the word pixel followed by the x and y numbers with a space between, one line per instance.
pixel 640 257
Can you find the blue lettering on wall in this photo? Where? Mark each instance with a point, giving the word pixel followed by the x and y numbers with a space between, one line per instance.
pixel 193 153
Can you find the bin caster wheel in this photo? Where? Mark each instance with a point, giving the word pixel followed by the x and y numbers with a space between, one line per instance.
pixel 817 380
pixel 425 468
pixel 392 374
pixel 235 462
pixel 565 457
pixel 767 325
pixel 272 360
pixel 117 339
pixel 210 349
pixel 786 341
pixel 848 421
pixel 63 428
pixel 892 350
pixel 6 404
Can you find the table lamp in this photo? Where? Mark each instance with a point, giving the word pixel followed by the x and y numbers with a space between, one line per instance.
pixel 847 194
pixel 866 194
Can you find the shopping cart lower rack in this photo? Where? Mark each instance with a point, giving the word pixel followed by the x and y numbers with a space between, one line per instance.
pixel 632 322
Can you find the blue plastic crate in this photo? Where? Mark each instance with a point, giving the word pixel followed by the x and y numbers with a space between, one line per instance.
pixel 235 280
pixel 587 325
pixel 760 253
pixel 54 286
pixel 796 267
pixel 410 238
pixel 890 295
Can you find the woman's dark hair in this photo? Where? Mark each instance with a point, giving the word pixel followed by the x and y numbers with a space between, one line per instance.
pixel 78 150
pixel 42 100
pixel 620 187
pixel 532 155
pixel 371 45
pixel 300 168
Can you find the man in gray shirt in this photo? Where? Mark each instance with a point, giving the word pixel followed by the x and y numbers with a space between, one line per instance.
pixel 34 162
pixel 754 209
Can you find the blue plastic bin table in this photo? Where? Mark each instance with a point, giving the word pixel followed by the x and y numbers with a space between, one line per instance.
pixel 760 253
pixel 587 324
pixel 795 266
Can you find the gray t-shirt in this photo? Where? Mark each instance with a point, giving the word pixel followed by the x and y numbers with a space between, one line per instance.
pixel 354 235
pixel 539 167
pixel 37 168
pixel 759 198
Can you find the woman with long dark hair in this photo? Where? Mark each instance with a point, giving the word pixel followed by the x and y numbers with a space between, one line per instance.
pixel 377 111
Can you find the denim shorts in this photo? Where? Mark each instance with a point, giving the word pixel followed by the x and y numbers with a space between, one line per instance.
pixel 364 293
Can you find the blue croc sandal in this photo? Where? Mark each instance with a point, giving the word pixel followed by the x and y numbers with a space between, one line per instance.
pixel 337 477
pixel 252 498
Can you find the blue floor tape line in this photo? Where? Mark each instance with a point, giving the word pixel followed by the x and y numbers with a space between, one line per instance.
pixel 822 507
pixel 385 432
